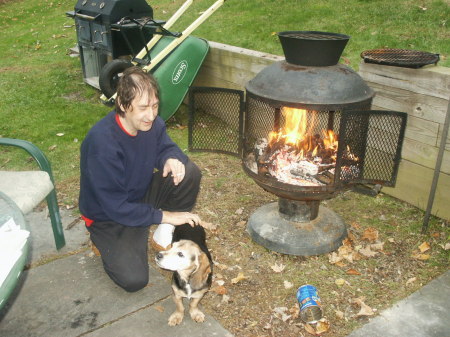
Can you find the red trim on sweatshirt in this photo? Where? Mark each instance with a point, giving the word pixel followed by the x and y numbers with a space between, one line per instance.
pixel 121 126
pixel 87 221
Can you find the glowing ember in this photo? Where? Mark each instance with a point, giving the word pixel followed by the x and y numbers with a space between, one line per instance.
pixel 295 155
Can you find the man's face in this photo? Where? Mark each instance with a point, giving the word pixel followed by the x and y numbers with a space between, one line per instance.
pixel 141 113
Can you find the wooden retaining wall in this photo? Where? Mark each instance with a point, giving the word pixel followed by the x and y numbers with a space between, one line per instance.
pixel 422 93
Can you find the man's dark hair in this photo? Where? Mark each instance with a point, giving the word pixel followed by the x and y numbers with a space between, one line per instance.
pixel 134 82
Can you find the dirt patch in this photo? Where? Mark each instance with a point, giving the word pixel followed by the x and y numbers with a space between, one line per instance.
pixel 254 290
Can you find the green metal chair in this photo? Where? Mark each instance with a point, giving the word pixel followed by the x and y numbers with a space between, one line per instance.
pixel 51 198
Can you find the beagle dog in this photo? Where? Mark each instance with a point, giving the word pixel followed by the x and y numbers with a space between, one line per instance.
pixel 192 265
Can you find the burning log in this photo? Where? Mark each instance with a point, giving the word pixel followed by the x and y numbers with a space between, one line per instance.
pixel 304 168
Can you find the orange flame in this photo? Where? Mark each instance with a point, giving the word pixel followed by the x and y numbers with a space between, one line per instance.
pixel 295 132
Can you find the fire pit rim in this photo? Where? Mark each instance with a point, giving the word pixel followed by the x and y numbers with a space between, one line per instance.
pixel 296 192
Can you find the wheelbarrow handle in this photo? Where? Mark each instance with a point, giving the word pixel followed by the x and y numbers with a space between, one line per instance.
pixel 158 58
pixel 167 25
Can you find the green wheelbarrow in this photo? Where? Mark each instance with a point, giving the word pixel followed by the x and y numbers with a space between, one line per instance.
pixel 173 59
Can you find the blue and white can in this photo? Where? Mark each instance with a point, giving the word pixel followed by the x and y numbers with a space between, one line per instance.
pixel 309 301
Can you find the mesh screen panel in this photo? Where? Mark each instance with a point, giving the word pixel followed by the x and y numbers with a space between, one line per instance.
pixel 375 138
pixel 215 120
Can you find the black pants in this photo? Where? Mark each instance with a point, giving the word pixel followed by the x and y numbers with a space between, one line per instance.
pixel 124 249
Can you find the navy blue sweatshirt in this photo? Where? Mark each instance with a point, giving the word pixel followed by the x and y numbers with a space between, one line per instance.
pixel 117 169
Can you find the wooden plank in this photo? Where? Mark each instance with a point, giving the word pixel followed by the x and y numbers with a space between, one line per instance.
pixel 430 80
pixel 422 131
pixel 232 67
pixel 419 129
pixel 417 105
pixel 413 186
pixel 424 155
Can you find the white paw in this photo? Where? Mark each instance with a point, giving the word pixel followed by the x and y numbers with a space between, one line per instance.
pixel 175 319
pixel 197 315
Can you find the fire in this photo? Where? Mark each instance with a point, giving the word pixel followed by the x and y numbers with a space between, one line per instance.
pixel 294 131
pixel 296 154
pixel 297 137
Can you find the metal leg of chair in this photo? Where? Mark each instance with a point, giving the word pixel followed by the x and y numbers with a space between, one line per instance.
pixel 55 218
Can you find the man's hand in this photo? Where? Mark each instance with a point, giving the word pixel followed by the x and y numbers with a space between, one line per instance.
pixel 176 168
pixel 180 218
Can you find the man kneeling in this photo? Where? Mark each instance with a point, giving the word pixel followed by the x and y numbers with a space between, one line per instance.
pixel 132 176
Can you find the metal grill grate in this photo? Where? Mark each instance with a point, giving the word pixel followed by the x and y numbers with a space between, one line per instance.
pixel 215 120
pixel 400 57
pixel 315 36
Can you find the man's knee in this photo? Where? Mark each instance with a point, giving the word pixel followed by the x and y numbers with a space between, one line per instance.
pixel 131 282
pixel 193 173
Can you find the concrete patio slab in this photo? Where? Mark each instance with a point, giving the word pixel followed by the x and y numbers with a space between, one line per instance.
pixel 152 322
pixel 42 241
pixel 425 313
pixel 73 295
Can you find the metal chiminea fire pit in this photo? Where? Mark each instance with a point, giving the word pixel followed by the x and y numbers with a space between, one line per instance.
pixel 305 135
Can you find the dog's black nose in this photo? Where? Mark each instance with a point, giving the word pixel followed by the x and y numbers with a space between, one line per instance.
pixel 159 256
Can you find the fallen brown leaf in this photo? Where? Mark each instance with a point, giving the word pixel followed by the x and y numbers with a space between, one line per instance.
pixel 220 290
pixel 346 252
pixel 225 298
pixel 310 329
pixel 334 258
pixel 239 211
pixel 370 234
pixel 278 268
pixel 424 247
pixel 367 252
pixel 347 241
pixel 339 282
pixel 421 257
pixel 287 284
pixel 322 326
pixel 377 246
pixel 351 237
pixel 353 272
pixel 221 266
pixel 365 310
pixel 339 314
pixel 209 226
pixel 411 280
pixel 295 311
pixel 340 264
pixel 239 278
pixel 355 225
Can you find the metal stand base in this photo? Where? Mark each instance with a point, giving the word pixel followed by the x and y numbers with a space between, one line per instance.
pixel 319 236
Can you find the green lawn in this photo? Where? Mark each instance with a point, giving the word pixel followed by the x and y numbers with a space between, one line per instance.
pixel 44 99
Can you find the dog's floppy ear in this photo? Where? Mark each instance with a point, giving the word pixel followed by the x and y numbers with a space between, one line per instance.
pixel 200 277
